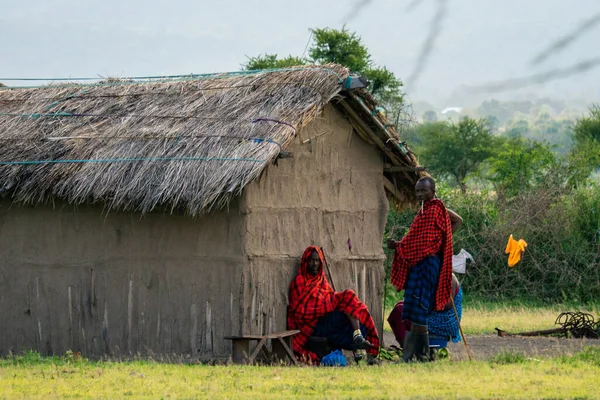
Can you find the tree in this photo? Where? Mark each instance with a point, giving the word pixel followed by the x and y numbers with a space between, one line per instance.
pixel 495 108
pixel 340 47
pixel 587 129
pixel 520 164
pixel 456 149
pixel 543 118
pixel 270 61
pixel 586 135
pixel 493 122
pixel 345 48
pixel 430 116
pixel 555 132
pixel 517 128
pixel 387 90
pixel 582 161
pixel 384 85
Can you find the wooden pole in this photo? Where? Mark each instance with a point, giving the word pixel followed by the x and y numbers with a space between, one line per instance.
pixel 328 270
pixel 460 328
pixel 543 332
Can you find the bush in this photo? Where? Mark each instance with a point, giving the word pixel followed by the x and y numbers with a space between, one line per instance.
pixel 561 227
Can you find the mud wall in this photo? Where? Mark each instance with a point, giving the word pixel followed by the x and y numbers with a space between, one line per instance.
pixel 331 192
pixel 73 278
pixel 118 284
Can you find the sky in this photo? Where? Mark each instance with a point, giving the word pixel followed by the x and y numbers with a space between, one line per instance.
pixel 480 41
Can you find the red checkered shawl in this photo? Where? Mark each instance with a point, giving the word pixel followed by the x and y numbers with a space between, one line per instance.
pixel 430 233
pixel 311 297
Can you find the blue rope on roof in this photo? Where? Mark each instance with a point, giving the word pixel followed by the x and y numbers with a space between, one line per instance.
pixel 166 78
pixel 277 121
pixel 65 99
pixel 68 114
pixel 260 140
pixel 40 115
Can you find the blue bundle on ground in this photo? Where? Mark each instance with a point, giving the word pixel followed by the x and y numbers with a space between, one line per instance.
pixel 334 359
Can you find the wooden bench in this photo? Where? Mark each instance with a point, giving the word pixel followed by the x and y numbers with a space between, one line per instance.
pixel 281 347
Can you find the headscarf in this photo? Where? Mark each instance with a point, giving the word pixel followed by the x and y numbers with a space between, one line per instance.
pixel 311 296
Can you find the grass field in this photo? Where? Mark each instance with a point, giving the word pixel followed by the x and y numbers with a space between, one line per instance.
pixel 515 316
pixel 482 316
pixel 507 376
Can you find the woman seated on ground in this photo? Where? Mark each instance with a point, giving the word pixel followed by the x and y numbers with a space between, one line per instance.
pixel 319 312
pixel 442 324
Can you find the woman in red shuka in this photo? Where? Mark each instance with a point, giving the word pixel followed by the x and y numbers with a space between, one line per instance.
pixel 319 312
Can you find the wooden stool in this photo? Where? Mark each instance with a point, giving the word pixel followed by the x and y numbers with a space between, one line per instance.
pixel 281 347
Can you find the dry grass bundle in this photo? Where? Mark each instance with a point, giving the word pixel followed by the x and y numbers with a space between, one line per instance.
pixel 188 144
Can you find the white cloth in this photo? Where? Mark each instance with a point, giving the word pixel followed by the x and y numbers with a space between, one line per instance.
pixel 459 261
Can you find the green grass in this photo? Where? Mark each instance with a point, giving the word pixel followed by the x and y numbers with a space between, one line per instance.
pixel 482 316
pixel 506 376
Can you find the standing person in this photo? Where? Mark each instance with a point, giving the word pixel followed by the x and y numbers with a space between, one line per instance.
pixel 442 325
pixel 422 267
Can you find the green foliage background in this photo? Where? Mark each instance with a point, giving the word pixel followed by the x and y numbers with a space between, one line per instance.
pixel 524 168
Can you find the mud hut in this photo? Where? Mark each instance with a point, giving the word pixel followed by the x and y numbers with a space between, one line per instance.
pixel 159 216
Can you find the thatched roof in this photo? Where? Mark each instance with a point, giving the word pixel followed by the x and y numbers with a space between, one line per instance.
pixel 187 143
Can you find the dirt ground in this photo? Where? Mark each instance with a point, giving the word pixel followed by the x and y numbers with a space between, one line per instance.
pixel 484 347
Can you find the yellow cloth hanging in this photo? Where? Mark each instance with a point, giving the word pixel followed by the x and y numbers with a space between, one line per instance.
pixel 514 249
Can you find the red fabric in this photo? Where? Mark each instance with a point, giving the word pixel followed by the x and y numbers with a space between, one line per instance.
pixel 311 297
pixel 399 326
pixel 429 234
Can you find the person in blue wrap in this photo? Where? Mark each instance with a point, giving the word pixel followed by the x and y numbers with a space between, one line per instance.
pixel 443 324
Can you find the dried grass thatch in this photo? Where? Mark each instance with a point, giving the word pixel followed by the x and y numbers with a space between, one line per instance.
pixel 187 144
